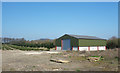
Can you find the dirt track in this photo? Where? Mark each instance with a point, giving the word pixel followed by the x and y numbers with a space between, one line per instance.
pixel 16 60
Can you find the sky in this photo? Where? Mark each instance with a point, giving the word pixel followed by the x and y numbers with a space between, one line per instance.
pixel 35 20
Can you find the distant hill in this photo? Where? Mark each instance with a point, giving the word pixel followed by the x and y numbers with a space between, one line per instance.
pixel 44 40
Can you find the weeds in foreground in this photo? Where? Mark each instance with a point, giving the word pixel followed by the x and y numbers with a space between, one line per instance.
pixel 117 58
pixel 33 66
pixel 77 70
pixel 69 56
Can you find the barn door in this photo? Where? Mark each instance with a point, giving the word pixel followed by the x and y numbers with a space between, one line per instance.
pixel 66 44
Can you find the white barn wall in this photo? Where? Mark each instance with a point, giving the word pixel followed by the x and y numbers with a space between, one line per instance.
pixel 93 48
pixel 75 48
pixel 102 47
pixel 58 48
pixel 83 48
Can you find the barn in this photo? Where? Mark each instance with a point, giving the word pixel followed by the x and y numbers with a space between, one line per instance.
pixel 80 43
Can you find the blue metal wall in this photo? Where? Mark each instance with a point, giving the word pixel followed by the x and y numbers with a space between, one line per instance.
pixel 66 44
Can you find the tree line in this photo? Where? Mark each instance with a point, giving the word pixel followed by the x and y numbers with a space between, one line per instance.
pixel 112 43
pixel 46 43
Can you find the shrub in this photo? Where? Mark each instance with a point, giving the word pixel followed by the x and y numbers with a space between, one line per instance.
pixel 112 43
pixel 117 58
pixel 77 70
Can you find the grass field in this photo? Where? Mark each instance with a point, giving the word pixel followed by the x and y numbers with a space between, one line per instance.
pixel 13 47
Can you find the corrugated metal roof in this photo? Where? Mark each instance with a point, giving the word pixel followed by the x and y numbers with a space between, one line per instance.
pixel 85 37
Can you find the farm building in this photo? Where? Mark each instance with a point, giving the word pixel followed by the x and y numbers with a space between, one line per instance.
pixel 80 43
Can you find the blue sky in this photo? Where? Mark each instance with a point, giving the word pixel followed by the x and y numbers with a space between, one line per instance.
pixel 35 20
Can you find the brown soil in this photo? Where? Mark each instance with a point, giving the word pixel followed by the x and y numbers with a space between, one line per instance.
pixel 16 60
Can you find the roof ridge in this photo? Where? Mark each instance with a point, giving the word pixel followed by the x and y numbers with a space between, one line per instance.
pixel 81 35
pixel 84 36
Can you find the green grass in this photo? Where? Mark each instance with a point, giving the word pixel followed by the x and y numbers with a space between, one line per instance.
pixel 69 56
pixel 6 47
pixel 117 58
pixel 25 48
pixel 77 70
pixel 50 56
pixel 33 66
